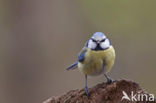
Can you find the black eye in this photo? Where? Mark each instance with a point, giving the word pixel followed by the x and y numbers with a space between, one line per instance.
pixel 93 40
pixel 102 40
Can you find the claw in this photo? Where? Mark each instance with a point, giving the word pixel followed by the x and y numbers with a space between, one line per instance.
pixel 109 80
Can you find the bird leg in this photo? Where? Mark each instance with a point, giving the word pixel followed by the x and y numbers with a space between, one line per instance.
pixel 109 80
pixel 86 87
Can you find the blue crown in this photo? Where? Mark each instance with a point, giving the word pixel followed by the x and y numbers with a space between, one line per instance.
pixel 98 34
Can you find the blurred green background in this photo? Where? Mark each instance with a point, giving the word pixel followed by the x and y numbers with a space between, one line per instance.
pixel 40 38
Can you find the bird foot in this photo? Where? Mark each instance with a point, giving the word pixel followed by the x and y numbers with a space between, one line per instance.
pixel 109 81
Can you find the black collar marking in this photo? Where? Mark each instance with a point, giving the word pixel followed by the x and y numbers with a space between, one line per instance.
pixel 98 48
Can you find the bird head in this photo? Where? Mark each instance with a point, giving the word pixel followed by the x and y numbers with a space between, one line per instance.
pixel 98 42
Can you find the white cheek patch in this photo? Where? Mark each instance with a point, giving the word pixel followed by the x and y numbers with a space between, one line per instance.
pixel 91 44
pixel 105 44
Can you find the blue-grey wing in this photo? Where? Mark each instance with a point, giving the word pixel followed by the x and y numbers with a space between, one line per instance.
pixel 81 55
pixel 73 66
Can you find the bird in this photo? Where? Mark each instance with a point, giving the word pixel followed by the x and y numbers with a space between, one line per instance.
pixel 96 57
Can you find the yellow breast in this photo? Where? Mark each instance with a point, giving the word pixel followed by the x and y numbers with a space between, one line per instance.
pixel 93 62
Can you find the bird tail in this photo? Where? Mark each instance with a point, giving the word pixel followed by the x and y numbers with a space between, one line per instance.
pixel 73 66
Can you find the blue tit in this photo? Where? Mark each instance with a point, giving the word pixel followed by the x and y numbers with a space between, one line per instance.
pixel 96 58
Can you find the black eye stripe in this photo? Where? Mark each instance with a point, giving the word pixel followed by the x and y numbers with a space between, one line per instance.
pixel 100 41
pixel 103 40
pixel 93 40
